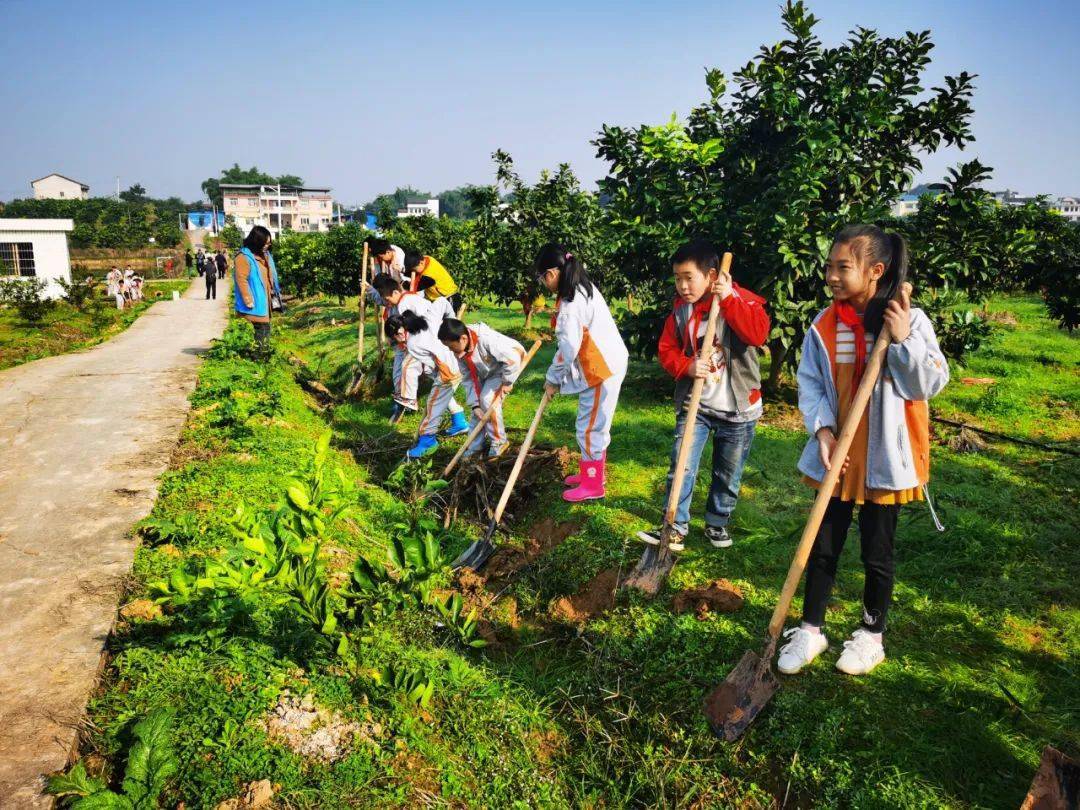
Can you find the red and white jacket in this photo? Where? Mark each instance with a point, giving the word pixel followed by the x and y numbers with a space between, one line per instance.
pixel 742 329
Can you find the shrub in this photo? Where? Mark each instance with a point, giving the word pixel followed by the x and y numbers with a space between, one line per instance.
pixel 27 297
pixel 78 292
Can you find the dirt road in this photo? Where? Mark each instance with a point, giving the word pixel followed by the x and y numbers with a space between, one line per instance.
pixel 83 438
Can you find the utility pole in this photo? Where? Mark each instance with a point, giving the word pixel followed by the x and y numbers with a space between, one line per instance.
pixel 118 189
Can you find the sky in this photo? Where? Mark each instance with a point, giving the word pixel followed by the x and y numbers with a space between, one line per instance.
pixel 365 97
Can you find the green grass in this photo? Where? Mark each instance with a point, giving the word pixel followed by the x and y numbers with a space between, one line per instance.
pixel 609 715
pixel 65 329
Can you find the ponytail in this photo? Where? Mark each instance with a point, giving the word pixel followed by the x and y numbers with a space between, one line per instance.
pixel 872 245
pixel 572 272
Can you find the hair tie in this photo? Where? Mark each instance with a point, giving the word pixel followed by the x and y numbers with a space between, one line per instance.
pixel 569 257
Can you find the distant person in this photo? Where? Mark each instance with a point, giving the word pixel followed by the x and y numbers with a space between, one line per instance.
pixel 120 293
pixel 200 261
pixel 112 281
pixel 211 280
pixel 255 284
pixel 222 263
pixel 189 260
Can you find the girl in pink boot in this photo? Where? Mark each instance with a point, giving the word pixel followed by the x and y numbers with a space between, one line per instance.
pixel 590 362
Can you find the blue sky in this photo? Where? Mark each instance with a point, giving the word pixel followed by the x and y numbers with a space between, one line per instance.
pixel 364 97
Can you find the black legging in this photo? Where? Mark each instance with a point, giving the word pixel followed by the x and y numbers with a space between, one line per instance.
pixel 877 532
pixel 211 283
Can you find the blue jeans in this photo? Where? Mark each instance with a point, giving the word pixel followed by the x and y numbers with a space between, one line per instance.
pixel 731 446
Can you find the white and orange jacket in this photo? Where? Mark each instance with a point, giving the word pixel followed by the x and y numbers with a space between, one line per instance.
pixel 591 350
pixel 490 354
pixel 434 312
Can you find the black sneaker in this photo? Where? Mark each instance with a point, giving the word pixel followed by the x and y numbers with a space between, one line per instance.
pixel 718 536
pixel 652 537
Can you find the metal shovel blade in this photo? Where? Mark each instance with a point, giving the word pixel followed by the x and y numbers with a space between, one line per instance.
pixel 475 556
pixel 734 704
pixel 652 570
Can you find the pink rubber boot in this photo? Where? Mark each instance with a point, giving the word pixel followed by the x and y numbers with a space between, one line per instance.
pixel 575 479
pixel 592 483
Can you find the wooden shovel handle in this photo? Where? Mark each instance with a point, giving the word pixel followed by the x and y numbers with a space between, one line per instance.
pixel 525 445
pixel 487 415
pixel 695 400
pixel 363 305
pixel 832 476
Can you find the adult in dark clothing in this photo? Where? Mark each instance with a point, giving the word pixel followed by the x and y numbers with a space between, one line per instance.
pixel 189 260
pixel 200 261
pixel 222 264
pixel 211 281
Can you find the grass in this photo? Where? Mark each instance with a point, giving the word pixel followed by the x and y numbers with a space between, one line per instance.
pixel 983 645
pixel 66 329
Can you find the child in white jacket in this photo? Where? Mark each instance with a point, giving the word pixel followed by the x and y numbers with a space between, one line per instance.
pixel 490 363
pixel 407 370
pixel 438 362
pixel 590 362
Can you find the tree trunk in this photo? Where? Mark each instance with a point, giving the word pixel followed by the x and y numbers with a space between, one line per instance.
pixel 777 355
pixel 528 319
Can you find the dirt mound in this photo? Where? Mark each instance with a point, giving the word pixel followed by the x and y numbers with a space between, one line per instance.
pixel 478 484
pixel 593 598
pixel 256 794
pixel 966 441
pixel 719 596
pixel 316 732
pixel 543 537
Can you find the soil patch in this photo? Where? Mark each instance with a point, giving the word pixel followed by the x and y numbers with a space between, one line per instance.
pixel 719 596
pixel 316 732
pixel 544 537
pixel 966 441
pixel 593 598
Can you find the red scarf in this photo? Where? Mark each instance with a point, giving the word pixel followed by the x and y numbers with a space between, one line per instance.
pixel 853 321
pixel 555 314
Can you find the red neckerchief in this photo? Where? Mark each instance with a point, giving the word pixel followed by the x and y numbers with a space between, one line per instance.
pixel 472 366
pixel 555 314
pixel 699 311
pixel 853 320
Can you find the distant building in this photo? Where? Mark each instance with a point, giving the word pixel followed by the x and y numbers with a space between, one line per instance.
pixel 1068 207
pixel 1010 197
pixel 36 248
pixel 908 202
pixel 57 187
pixel 418 207
pixel 279 208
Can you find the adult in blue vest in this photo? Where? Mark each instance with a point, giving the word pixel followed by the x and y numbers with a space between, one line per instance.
pixel 255 282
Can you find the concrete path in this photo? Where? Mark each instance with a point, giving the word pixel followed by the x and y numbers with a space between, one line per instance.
pixel 83 438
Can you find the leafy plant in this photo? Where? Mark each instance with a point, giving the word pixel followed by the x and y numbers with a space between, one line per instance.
pixel 151 763
pixel 417 686
pixel 464 627
pixel 376 591
pixel 27 297
pixel 78 292
pixel 238 340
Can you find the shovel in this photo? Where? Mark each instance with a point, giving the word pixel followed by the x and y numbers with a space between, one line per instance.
pixel 487 414
pixel 656 563
pixel 733 705
pixel 357 384
pixel 478 553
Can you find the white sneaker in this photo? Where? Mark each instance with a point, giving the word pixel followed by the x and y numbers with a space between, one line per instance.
pixel 862 652
pixel 803 648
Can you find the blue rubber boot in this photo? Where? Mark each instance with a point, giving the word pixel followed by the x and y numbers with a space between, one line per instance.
pixel 458 425
pixel 424 445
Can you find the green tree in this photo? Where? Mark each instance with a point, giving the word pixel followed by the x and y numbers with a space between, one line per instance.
pixel 134 194
pixel 511 229
pixel 812 138
pixel 456 203
pixel 211 186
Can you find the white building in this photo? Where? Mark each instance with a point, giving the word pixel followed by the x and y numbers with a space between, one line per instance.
pixel 1069 207
pixel 908 202
pixel 57 187
pixel 278 208
pixel 419 208
pixel 36 248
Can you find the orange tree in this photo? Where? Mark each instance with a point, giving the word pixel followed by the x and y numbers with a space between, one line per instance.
pixel 812 138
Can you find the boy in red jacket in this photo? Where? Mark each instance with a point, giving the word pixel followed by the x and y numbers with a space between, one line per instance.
pixel 731 397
